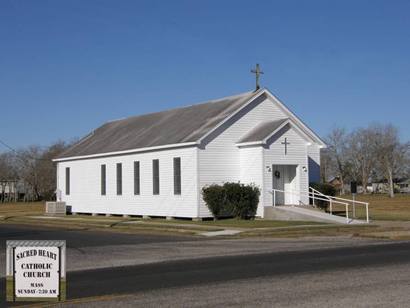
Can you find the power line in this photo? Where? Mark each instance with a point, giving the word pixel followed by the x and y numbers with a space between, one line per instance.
pixel 19 155
pixel 7 146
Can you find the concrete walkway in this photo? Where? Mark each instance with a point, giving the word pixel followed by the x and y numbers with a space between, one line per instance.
pixel 305 214
pixel 220 233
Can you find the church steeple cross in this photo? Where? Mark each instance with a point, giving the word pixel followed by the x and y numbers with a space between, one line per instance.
pixel 286 145
pixel 257 71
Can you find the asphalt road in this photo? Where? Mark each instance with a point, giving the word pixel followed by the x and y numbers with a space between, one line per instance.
pixel 371 286
pixel 133 279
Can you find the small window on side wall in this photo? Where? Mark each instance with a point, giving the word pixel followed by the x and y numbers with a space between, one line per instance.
pixel 177 175
pixel 103 180
pixel 155 177
pixel 119 179
pixel 67 181
pixel 136 177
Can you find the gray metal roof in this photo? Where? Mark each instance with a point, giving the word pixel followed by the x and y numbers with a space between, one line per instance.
pixel 181 125
pixel 262 131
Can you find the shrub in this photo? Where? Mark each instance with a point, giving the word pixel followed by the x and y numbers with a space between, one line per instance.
pixel 242 199
pixel 214 197
pixel 326 189
pixel 232 199
pixel 233 195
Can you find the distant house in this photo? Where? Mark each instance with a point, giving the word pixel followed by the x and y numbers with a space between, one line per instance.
pixel 401 185
pixel 337 184
pixel 157 164
pixel 8 190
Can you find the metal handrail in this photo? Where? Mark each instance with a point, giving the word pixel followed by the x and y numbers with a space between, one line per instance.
pixel 315 191
pixel 327 198
pixel 353 202
pixel 318 192
pixel 308 194
pixel 349 200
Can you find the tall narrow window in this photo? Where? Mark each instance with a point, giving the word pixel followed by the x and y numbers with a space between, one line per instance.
pixel 67 181
pixel 155 177
pixel 177 175
pixel 136 177
pixel 103 180
pixel 119 179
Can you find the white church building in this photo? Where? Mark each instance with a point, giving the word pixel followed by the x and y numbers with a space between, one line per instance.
pixel 156 164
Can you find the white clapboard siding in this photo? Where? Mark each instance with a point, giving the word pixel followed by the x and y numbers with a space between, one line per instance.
pixel 85 185
pixel 251 165
pixel 296 155
pixel 219 161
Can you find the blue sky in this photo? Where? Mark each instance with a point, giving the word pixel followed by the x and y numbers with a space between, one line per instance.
pixel 66 67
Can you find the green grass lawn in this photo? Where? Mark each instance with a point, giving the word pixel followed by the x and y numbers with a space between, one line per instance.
pixel 237 223
pixel 16 212
pixel 257 223
pixel 381 208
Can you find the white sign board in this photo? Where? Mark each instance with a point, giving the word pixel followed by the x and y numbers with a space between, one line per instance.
pixel 37 271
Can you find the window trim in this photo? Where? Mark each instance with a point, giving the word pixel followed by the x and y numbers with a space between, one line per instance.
pixel 155 177
pixel 67 181
pixel 103 180
pixel 137 178
pixel 177 176
pixel 119 179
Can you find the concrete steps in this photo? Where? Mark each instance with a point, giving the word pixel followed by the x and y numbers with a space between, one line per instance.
pixel 290 212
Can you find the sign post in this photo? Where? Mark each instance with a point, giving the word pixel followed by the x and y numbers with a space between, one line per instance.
pixel 35 270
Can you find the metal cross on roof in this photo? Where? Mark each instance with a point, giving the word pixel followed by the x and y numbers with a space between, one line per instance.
pixel 257 71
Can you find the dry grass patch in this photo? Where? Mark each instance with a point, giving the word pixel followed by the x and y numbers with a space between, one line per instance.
pixel 382 207
pixel 22 208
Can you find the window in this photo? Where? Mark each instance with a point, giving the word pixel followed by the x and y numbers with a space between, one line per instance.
pixel 119 179
pixel 177 175
pixel 155 177
pixel 136 177
pixel 103 180
pixel 67 181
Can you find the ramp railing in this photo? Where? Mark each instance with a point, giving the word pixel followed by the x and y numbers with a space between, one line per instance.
pixel 316 195
pixel 350 201
pixel 315 192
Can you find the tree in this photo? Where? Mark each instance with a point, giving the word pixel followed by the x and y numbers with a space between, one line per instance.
pixel 337 142
pixel 392 156
pixel 35 169
pixel 362 154
pixel 8 176
pixel 28 161
pixel 46 169
pixel 325 165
